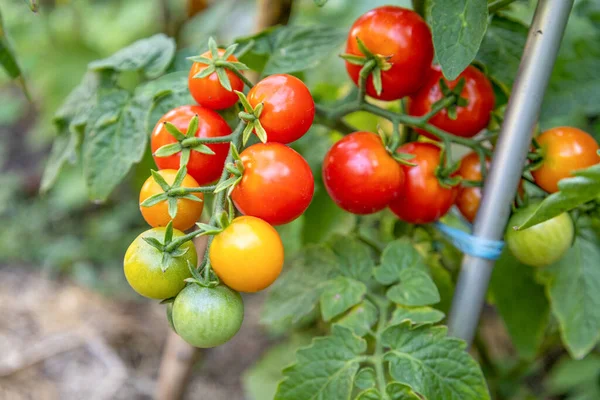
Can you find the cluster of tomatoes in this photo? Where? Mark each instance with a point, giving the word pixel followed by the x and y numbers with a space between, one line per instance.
pixel 271 184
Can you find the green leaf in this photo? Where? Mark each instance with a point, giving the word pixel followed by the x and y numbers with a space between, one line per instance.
pixel 326 369
pixel 397 391
pixel 502 49
pixel 360 318
pixel 416 288
pixel 296 293
pixel 396 257
pixel 320 3
pixel 150 56
pixel 416 315
pixel 164 94
pixel 339 295
pixel 365 379
pixel 168 150
pixel 432 364
pixel 323 218
pixel 115 139
pixel 573 287
pixel 369 394
pixel 355 257
pixel 7 57
pixel 584 186
pixel 526 315
pixel 457 27
pixel 569 375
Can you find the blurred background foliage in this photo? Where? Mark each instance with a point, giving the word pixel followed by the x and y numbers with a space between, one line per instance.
pixel 63 233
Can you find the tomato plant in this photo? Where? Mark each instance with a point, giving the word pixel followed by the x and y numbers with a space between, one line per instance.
pixel 564 150
pixel 359 174
pixel 149 273
pixel 422 198
pixel 248 255
pixel 277 184
pixel 204 168
pixel 469 197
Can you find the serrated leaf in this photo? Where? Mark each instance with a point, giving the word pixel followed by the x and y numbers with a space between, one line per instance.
pixel 432 364
pixel 397 256
pixel 296 292
pixel 416 315
pixel 154 200
pixel 584 186
pixel 339 295
pixel 416 288
pixel 324 370
pixel 501 50
pixel 150 56
pixel 355 257
pixel 573 287
pixel 360 318
pixel 114 140
pixel 168 150
pixel 457 27
pixel 164 94
pixel 525 316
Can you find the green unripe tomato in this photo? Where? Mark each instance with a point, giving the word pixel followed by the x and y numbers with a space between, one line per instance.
pixel 207 317
pixel 542 244
pixel 143 266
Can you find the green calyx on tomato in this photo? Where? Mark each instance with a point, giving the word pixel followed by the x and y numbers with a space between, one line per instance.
pixel 372 64
pixel 236 168
pixel 218 63
pixel 154 271
pixel 541 244
pixel 207 317
pixel 251 116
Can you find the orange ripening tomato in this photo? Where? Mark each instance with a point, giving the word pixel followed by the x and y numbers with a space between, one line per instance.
pixel 468 198
pixel 289 109
pixel 208 91
pixel 188 211
pixel 248 255
pixel 359 174
pixel 422 199
pixel 277 184
pixel 205 168
pixel 403 36
pixel 565 149
pixel 470 119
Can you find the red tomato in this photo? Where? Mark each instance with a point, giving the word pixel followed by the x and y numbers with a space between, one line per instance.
pixel 422 198
pixel 277 185
pixel 205 168
pixel 401 34
pixel 472 118
pixel 565 150
pixel 359 174
pixel 289 109
pixel 208 91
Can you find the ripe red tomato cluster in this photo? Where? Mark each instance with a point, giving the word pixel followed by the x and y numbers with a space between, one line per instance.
pixel 276 187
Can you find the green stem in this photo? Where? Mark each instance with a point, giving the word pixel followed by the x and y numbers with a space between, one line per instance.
pixel 362 79
pixel 201 189
pixel 240 75
pixel 377 359
pixel 217 139
pixel 498 4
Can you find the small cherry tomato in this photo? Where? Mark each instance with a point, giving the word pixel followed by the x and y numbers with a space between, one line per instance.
pixel 359 174
pixel 277 184
pixel 422 198
pixel 143 266
pixel 207 316
pixel 400 34
pixel 565 149
pixel 248 255
pixel 470 119
pixel 205 168
pixel 188 211
pixel 208 91
pixel 542 244
pixel 468 198
pixel 289 109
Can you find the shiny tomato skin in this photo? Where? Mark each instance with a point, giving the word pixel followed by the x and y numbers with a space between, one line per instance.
pixel 468 198
pixel 565 149
pixel 208 91
pixel 205 168
pixel 470 119
pixel 422 199
pixel 142 266
pixel 359 174
pixel 289 109
pixel 401 34
pixel 248 255
pixel 277 184
pixel 188 211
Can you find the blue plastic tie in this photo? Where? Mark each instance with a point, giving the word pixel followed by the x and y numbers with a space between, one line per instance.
pixel 472 245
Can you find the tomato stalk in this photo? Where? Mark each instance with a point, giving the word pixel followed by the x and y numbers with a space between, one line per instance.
pixel 377 358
